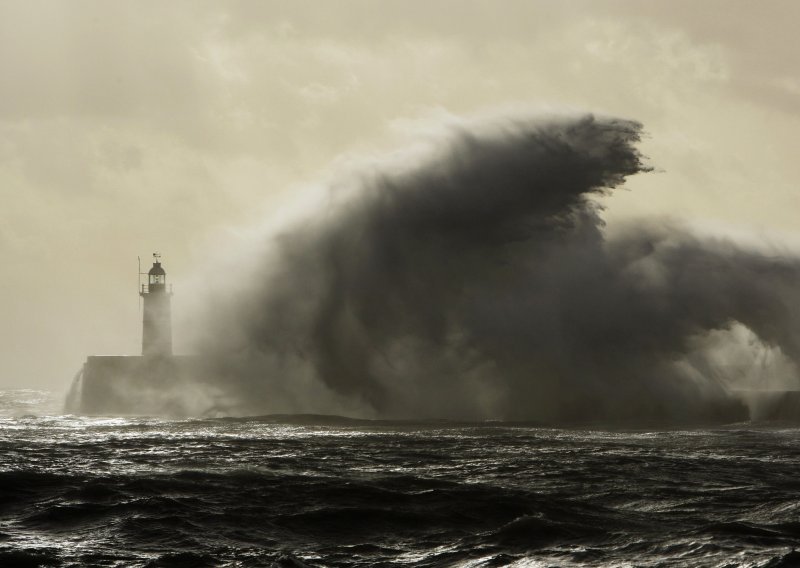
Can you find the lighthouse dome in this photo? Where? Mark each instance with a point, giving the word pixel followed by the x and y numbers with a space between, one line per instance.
pixel 157 270
pixel 157 278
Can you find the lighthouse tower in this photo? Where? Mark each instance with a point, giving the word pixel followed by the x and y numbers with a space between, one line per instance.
pixel 157 316
pixel 125 384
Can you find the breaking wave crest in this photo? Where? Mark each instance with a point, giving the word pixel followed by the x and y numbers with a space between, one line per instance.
pixel 477 281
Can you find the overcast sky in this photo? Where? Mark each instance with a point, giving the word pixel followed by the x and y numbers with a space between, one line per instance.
pixel 129 127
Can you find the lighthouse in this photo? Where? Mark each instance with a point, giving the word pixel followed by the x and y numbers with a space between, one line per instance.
pixel 157 312
pixel 149 384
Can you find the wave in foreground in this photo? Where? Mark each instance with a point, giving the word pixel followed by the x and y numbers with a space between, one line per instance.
pixel 79 491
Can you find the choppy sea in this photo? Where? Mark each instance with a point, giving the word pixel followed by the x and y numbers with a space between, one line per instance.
pixel 314 491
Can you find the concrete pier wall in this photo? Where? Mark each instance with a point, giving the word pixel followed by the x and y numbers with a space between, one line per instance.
pixel 136 385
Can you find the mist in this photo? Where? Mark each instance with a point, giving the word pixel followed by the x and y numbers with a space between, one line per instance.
pixel 475 279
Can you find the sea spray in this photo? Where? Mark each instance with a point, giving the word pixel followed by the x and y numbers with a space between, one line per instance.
pixel 478 283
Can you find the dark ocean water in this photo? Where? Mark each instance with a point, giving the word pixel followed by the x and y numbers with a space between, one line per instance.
pixel 78 491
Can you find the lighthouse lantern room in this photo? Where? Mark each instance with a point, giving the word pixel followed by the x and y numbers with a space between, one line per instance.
pixel 157 312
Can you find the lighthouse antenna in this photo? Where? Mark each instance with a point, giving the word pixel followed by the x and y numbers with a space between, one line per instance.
pixel 139 282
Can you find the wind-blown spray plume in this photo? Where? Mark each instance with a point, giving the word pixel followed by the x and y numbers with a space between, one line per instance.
pixel 479 284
